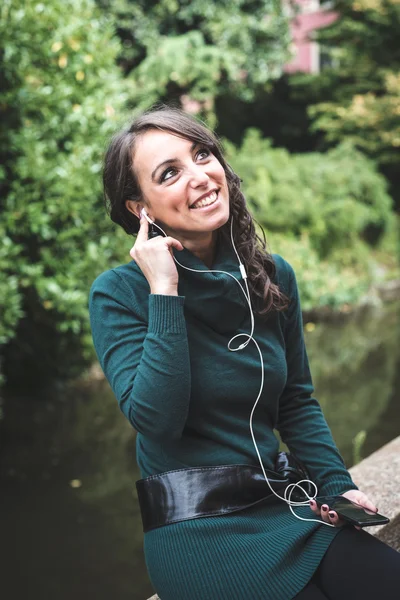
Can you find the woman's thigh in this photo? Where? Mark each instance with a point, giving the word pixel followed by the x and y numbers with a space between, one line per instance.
pixel 358 565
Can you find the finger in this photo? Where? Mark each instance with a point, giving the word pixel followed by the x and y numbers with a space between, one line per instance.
pixel 334 519
pixel 366 503
pixel 369 505
pixel 314 507
pixel 143 234
pixel 325 512
pixel 173 243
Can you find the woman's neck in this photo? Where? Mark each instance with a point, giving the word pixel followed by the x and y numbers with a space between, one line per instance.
pixel 203 247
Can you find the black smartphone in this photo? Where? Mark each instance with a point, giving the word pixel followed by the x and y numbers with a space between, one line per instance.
pixel 351 512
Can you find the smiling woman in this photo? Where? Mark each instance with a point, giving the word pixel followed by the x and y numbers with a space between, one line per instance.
pixel 177 161
pixel 166 328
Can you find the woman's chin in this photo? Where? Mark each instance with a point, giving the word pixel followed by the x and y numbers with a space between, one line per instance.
pixel 215 221
pixel 223 222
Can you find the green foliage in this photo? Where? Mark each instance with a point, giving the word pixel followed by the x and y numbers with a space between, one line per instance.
pixel 10 297
pixel 332 197
pixel 360 96
pixel 370 121
pixel 355 99
pixel 194 50
pixel 322 283
pixel 316 210
pixel 61 91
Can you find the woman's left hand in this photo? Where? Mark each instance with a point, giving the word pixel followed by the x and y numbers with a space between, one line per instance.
pixel 330 516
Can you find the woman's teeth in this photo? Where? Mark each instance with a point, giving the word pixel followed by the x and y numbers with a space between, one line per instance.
pixel 205 201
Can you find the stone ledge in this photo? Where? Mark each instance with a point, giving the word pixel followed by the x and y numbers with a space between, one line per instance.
pixel 378 475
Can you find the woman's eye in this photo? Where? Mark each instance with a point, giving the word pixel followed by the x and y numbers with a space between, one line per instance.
pixel 167 174
pixel 203 153
pixel 170 172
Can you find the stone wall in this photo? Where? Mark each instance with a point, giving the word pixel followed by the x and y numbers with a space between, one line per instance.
pixel 379 477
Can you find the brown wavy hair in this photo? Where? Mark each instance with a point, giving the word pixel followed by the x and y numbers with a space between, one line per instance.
pixel 120 185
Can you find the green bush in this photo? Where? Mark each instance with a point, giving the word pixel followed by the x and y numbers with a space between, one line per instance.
pixel 321 283
pixel 317 210
pixel 334 197
pixel 60 96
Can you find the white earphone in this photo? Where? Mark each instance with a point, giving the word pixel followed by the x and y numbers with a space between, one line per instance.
pixel 146 216
pixel 249 337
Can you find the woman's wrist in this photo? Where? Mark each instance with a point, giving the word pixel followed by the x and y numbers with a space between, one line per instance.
pixel 164 290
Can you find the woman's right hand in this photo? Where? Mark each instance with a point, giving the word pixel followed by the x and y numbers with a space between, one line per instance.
pixel 155 259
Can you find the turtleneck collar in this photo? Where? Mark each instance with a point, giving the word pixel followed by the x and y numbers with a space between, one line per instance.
pixel 213 298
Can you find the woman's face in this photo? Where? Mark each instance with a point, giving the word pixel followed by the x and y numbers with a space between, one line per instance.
pixel 183 185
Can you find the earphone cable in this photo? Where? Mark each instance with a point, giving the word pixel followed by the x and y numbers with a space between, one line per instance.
pixel 249 337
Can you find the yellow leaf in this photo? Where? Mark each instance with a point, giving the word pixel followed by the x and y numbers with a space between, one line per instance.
pixel 63 61
pixel 74 44
pixel 56 46
pixel 309 327
pixel 80 76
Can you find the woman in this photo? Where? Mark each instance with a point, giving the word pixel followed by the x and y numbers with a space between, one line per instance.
pixel 161 332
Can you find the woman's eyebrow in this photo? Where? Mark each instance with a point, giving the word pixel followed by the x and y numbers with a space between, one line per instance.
pixel 170 161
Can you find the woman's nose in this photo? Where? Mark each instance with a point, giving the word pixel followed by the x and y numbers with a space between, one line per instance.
pixel 197 177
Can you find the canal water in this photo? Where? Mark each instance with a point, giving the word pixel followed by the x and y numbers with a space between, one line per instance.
pixel 69 519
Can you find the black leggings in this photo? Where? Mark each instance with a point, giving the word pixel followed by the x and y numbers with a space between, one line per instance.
pixel 356 565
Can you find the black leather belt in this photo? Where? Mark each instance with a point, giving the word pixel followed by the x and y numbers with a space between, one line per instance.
pixel 209 491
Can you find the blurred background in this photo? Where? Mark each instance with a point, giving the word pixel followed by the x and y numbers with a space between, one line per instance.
pixel 306 98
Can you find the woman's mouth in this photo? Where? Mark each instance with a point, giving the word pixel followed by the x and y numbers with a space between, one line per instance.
pixel 207 201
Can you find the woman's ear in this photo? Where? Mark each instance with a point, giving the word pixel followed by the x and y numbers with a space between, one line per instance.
pixel 134 207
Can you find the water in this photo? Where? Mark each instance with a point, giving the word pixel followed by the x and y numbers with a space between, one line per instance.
pixel 69 521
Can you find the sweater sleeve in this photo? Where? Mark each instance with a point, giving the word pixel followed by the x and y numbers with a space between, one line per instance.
pixel 301 423
pixel 145 358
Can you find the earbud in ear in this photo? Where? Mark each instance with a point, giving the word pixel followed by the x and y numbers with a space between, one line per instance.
pixel 146 216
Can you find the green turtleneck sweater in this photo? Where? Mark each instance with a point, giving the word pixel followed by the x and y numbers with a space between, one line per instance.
pixel 189 399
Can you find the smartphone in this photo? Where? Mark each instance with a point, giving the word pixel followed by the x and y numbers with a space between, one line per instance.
pixel 351 512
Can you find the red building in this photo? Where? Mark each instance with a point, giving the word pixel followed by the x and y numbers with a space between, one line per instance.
pixel 311 15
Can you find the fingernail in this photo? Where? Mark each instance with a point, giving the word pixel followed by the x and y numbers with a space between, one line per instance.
pixel 324 508
pixel 332 515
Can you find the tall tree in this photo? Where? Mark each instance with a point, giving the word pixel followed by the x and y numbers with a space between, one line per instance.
pixel 191 51
pixel 361 92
